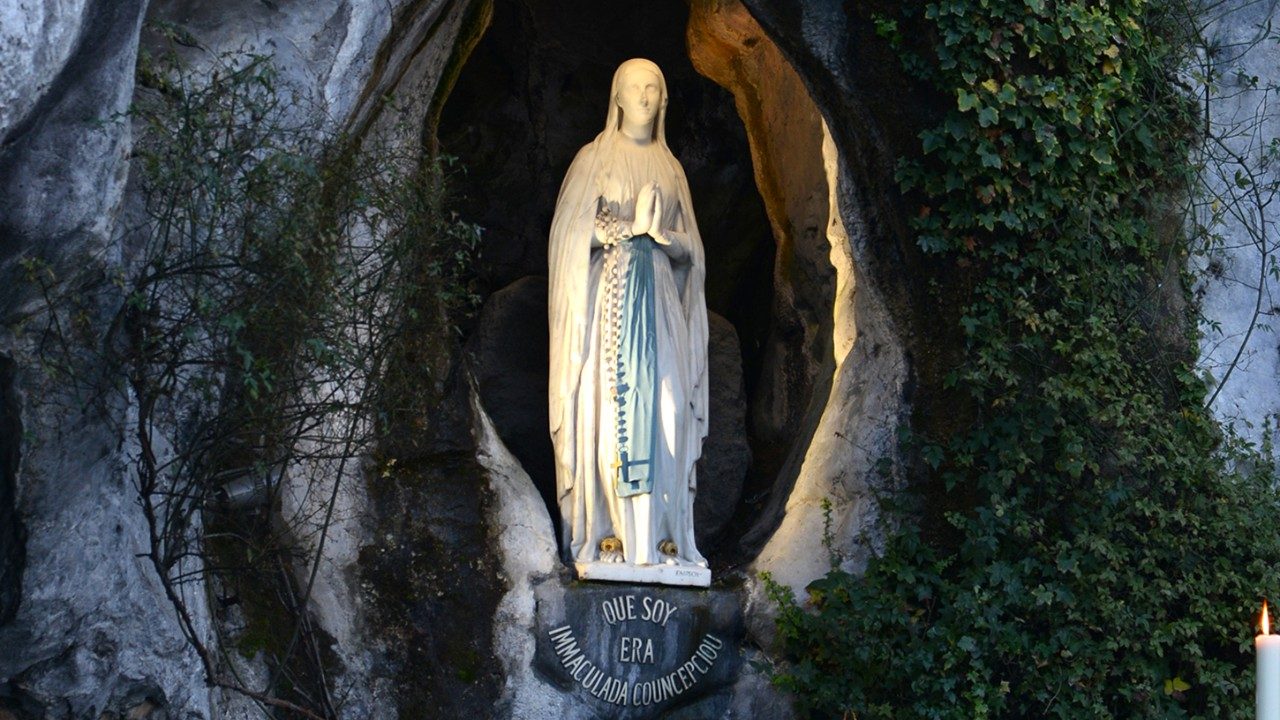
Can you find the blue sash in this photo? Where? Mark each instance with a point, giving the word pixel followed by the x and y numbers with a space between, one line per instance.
pixel 637 373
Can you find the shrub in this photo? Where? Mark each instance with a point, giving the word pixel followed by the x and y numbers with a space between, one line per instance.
pixel 1112 547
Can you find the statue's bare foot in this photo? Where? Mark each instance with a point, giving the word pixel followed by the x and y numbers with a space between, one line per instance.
pixel 669 551
pixel 611 550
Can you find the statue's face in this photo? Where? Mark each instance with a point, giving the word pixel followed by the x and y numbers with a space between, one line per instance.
pixel 639 96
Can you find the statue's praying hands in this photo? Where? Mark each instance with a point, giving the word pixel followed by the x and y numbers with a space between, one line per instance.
pixel 649 213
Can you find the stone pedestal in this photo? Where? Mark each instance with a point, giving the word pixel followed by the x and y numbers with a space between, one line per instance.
pixel 632 652
pixel 690 575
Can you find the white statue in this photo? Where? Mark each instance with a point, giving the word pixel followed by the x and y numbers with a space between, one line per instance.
pixel 628 385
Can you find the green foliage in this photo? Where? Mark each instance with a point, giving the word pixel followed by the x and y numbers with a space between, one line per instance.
pixel 279 257
pixel 1109 556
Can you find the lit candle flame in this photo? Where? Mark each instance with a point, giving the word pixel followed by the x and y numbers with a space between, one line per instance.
pixel 1266 623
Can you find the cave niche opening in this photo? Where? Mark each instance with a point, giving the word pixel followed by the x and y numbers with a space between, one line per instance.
pixel 12 551
pixel 531 93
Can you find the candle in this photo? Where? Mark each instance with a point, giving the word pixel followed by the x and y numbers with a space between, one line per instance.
pixel 1268 649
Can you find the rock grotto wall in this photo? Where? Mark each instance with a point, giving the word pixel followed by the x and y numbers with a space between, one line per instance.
pixel 404 575
pixel 92 634
pixel 1239 347
pixel 833 447
pixel 33 59
pixel 785 133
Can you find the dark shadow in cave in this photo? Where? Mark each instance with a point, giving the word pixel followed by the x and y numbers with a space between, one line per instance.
pixel 534 91
pixel 12 553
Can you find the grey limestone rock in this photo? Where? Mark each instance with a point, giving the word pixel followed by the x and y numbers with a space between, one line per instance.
pixel 1239 347
pixel 92 633
pixel 36 39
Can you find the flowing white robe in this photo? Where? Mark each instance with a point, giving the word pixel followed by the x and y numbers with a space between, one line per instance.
pixel 610 170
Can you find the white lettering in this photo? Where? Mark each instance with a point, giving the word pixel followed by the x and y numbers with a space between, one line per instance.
pixel 656 610
pixel 571 651
pixel 634 650
pixel 668 687
pixel 706 654
pixel 610 611
pixel 590 677
pixel 668 611
pixel 619 608
pixel 595 684
pixel 566 644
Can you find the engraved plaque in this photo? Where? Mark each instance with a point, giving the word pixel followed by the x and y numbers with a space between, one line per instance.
pixel 638 651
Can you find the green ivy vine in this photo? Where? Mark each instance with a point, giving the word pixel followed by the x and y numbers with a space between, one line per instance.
pixel 1115 545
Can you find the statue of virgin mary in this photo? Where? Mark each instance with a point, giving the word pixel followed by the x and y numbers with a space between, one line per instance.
pixel 628 321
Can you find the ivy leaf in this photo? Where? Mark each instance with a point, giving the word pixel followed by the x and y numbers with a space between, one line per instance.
pixel 932 455
pixel 1143 133
pixel 966 100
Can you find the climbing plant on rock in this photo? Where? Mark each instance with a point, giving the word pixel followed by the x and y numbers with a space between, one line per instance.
pixel 1112 546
